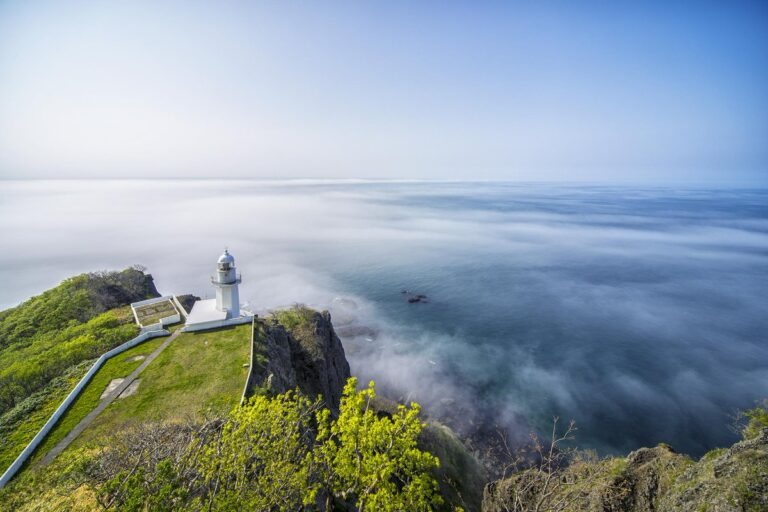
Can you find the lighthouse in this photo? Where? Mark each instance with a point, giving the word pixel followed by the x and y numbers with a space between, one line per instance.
pixel 224 310
pixel 226 281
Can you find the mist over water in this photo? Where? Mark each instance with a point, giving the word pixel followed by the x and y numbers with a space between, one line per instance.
pixel 639 312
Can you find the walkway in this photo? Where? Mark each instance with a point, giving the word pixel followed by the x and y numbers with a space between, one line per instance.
pixel 105 403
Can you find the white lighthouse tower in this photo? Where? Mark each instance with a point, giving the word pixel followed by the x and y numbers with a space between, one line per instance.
pixel 224 310
pixel 225 281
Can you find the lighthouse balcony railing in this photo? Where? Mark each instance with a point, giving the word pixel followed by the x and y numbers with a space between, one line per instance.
pixel 238 280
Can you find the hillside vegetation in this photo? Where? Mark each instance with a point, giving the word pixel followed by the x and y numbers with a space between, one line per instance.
pixel 283 452
pixel 48 342
pixel 731 479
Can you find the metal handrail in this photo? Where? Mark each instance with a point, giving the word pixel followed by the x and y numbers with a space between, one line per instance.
pixel 238 280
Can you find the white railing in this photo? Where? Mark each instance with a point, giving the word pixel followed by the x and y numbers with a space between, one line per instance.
pixel 250 366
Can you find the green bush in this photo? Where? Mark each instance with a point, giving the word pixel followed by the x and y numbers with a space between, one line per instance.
pixel 282 453
pixel 754 420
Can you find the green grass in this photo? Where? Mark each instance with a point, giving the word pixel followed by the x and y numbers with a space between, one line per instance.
pixel 197 375
pixel 17 436
pixel 713 454
pixel 44 337
pixel 295 317
pixel 116 367
pixel 44 355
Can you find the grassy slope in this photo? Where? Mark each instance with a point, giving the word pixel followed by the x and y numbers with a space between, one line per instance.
pixel 20 424
pixel 198 374
pixel 48 343
pixel 116 367
pixel 27 367
pixel 18 434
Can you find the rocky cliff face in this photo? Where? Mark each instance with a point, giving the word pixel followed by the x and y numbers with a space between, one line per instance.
pixel 648 480
pixel 110 290
pixel 299 348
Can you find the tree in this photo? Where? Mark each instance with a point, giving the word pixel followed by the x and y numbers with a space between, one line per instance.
pixel 540 487
pixel 270 454
pixel 261 458
pixel 373 460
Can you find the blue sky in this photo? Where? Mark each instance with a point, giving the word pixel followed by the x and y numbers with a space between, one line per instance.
pixel 573 91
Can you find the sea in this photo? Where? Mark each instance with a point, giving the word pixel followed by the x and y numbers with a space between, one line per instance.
pixel 639 312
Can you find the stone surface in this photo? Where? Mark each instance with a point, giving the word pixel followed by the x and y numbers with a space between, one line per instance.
pixel 131 389
pixel 113 384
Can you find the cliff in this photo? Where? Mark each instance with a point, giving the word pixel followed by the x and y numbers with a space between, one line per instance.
pixel 298 348
pixel 649 479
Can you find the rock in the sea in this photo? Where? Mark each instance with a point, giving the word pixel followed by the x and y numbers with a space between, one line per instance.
pixel 357 331
pixel 414 298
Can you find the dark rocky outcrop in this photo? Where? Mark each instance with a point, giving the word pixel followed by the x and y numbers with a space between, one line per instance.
pixel 648 480
pixel 76 300
pixel 724 480
pixel 187 301
pixel 300 349
pixel 110 290
pixel 414 298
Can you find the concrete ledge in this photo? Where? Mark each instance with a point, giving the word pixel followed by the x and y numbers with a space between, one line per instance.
pixel 181 309
pixel 215 324
pixel 250 367
pixel 147 302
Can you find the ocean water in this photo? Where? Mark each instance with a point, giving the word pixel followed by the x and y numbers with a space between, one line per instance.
pixel 639 312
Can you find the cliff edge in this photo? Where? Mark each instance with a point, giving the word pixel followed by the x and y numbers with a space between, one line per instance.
pixel 298 348
pixel 647 480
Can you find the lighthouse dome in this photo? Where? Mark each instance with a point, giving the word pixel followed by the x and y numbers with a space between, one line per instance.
pixel 226 258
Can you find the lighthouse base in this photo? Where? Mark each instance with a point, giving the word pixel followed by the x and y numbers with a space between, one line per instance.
pixel 205 315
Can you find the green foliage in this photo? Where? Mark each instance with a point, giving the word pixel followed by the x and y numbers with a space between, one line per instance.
pixel 460 476
pixel 64 326
pixel 261 460
pixel 27 369
pixel 279 453
pixel 617 466
pixel 295 318
pixel 19 425
pixel 713 454
pixel 137 491
pixel 754 420
pixel 20 429
pixel 373 461
pixel 74 301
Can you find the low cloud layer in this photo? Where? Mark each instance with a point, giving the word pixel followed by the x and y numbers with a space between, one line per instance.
pixel 640 313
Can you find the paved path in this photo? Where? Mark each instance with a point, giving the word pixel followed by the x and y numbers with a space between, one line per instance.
pixel 105 403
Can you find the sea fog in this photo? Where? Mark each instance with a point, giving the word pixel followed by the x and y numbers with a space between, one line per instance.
pixel 639 312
